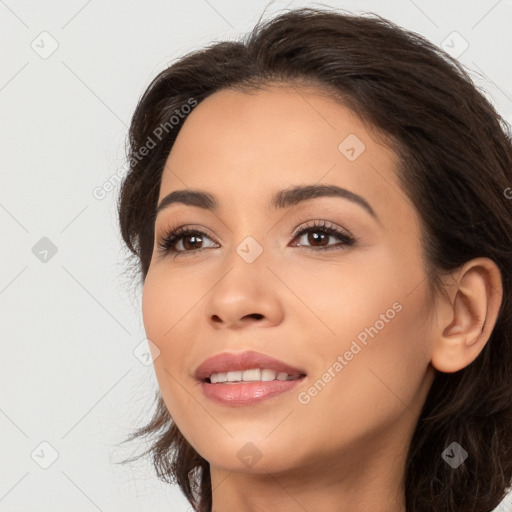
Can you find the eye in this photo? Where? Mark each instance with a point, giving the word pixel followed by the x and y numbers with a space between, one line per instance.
pixel 319 233
pixel 181 239
pixel 189 241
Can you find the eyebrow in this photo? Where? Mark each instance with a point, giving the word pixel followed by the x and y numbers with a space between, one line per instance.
pixel 282 199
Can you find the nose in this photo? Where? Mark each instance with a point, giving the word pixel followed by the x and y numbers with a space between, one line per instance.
pixel 247 295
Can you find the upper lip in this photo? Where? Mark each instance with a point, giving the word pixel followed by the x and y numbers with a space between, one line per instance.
pixel 227 361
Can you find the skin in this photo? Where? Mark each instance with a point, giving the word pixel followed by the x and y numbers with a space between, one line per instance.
pixel 345 449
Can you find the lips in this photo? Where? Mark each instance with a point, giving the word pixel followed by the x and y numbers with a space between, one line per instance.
pixel 226 362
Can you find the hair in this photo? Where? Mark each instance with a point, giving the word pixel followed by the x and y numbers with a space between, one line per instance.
pixel 455 166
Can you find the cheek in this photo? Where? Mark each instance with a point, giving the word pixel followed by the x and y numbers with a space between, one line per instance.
pixel 373 316
pixel 167 304
pixel 154 304
pixel 167 300
pixel 381 374
pixel 340 298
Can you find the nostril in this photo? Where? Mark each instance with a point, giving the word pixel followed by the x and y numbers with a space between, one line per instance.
pixel 258 316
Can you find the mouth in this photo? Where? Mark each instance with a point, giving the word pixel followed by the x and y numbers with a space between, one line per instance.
pixel 245 366
pixel 251 375
pixel 246 378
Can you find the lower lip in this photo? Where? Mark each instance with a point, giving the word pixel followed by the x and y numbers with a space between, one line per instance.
pixel 247 393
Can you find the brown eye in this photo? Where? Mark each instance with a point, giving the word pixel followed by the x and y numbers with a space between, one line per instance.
pixel 318 237
pixel 191 242
pixel 183 240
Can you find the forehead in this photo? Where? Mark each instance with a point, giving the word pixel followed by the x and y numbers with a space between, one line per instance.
pixel 244 146
pixel 273 121
pixel 242 129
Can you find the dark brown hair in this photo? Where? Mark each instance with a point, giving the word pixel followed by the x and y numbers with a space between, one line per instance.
pixel 455 156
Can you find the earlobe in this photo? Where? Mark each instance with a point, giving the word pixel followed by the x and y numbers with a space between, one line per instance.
pixel 469 316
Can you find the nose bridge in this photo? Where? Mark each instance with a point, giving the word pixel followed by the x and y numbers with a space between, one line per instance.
pixel 255 247
pixel 250 250
pixel 249 232
pixel 245 289
pixel 248 261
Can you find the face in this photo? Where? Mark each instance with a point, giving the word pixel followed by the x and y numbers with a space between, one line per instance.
pixel 333 285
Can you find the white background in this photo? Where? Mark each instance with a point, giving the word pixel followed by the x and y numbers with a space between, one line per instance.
pixel 69 325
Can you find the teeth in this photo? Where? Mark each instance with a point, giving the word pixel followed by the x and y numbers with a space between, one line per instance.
pixel 267 375
pixel 252 375
pixel 234 376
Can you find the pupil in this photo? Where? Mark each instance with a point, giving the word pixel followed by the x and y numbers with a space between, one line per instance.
pixel 315 237
pixel 193 237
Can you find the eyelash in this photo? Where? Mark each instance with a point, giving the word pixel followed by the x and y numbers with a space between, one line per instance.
pixel 166 244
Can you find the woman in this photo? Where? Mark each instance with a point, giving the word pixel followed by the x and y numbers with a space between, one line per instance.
pixel 320 221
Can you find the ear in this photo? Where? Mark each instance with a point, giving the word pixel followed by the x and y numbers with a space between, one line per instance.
pixel 468 315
